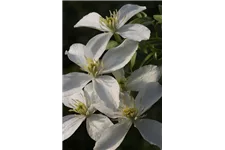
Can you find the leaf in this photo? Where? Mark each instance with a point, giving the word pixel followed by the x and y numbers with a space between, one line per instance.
pixel 158 18
pixel 112 44
pixel 146 21
pixel 146 59
pixel 132 61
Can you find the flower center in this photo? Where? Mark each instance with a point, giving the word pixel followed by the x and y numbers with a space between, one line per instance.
pixel 80 108
pixel 111 21
pixel 130 113
pixel 93 67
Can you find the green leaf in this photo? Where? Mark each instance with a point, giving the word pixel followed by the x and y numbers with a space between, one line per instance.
pixel 158 18
pixel 112 44
pixel 132 62
pixel 146 59
pixel 146 21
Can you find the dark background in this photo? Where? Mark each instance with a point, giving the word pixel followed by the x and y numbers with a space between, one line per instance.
pixel 72 13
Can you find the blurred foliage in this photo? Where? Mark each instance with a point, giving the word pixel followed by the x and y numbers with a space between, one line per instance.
pixel 149 52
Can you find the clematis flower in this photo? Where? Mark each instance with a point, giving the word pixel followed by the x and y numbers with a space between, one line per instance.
pixel 81 104
pixel 132 112
pixel 87 57
pixel 115 23
pixel 138 79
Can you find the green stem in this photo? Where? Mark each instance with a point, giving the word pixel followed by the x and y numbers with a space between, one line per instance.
pixel 117 38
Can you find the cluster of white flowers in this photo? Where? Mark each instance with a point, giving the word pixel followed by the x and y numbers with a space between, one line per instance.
pixel 85 93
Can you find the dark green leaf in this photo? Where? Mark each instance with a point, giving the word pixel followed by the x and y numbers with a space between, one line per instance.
pixel 146 59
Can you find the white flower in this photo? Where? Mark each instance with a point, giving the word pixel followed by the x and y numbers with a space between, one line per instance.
pixel 115 23
pixel 87 57
pixel 81 103
pixel 131 112
pixel 139 78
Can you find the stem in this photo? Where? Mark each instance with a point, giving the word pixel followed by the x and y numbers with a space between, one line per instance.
pixel 117 38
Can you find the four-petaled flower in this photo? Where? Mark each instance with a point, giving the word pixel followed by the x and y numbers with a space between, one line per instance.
pixel 81 103
pixel 87 57
pixel 115 23
pixel 131 112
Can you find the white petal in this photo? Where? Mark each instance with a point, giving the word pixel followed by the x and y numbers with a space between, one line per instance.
pixel 113 136
pixel 126 100
pixel 74 82
pixel 150 130
pixel 88 91
pixel 136 32
pixel 142 76
pixel 91 20
pixel 96 125
pixel 69 101
pixel 148 96
pixel 110 112
pixel 119 74
pixel 116 58
pixel 107 88
pixel 97 45
pixel 128 11
pixel 76 54
pixel 70 124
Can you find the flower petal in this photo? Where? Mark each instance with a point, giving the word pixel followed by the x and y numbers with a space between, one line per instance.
pixel 111 112
pixel 126 100
pixel 88 90
pixel 69 101
pixel 116 58
pixel 119 74
pixel 150 130
pixel 113 136
pixel 128 11
pixel 136 32
pixel 96 125
pixel 107 89
pixel 70 124
pixel 142 76
pixel 74 82
pixel 148 96
pixel 97 45
pixel 91 20
pixel 76 54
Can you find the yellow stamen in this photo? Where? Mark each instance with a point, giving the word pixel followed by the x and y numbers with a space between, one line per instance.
pixel 111 21
pixel 80 108
pixel 130 113
pixel 93 67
